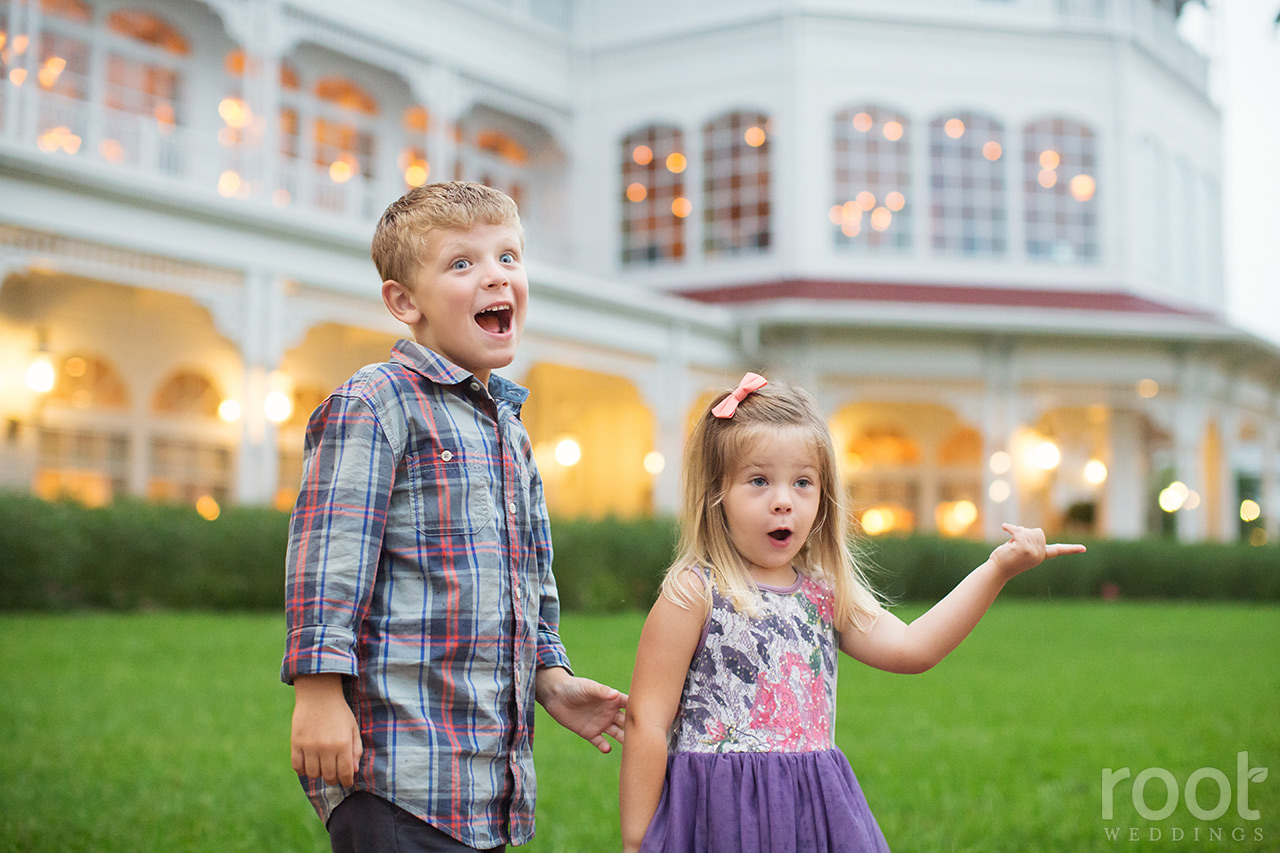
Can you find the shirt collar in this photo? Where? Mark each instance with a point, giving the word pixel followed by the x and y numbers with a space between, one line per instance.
pixel 441 371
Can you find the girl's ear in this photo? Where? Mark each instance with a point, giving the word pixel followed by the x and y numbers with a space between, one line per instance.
pixel 400 302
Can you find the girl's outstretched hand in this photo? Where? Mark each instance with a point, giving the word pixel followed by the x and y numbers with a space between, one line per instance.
pixel 1026 549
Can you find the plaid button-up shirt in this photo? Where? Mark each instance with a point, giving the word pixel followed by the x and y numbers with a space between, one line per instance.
pixel 419 565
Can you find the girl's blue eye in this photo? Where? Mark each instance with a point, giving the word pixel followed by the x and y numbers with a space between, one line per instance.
pixel 804 482
pixel 759 481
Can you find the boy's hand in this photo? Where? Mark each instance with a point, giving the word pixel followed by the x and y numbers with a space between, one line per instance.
pixel 582 706
pixel 325 739
pixel 1026 549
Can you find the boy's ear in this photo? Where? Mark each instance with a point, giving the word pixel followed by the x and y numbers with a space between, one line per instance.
pixel 400 302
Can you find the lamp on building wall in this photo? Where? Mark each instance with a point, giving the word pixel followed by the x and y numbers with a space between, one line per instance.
pixel 41 376
pixel 278 403
pixel 654 462
pixel 568 452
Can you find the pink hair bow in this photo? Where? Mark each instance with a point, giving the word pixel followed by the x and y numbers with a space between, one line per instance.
pixel 729 405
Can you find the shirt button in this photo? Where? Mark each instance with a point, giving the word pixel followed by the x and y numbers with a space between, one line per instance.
pixel 512 506
pixel 446 455
pixel 475 386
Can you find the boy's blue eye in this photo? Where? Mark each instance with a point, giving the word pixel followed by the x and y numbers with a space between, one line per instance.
pixel 507 258
pixel 460 264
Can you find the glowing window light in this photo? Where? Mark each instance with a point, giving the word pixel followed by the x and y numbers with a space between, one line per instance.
pixel 568 452
pixel 1049 160
pixel 754 137
pixel 1174 496
pixel 676 163
pixel 636 192
pixel 277 407
pixel 642 154
pixel 895 201
pixel 1193 500
pixel 111 150
pixel 1083 187
pixel 229 410
pixel 862 122
pixel 852 228
pixel 207 508
pixel 954 128
pixel 953 519
pixel 18 76
pixel 235 112
pixel 1000 462
pixel 654 462
pixel 417 172
pixel 1000 491
pixel 340 171
pixel 1047 178
pixel 1148 388
pixel 1095 472
pixel 75 367
pixel 892 131
pixel 881 218
pixel 851 211
pixel 682 207
pixel 992 151
pixel 228 184
pixel 1258 537
pixel 866 199
pixel 878 519
pixel 1250 511
pixel 836 214
pixel 40 376
pixel 1046 456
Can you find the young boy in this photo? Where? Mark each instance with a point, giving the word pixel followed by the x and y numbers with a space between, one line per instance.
pixel 422 612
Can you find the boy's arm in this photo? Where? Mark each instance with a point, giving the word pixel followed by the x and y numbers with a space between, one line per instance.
pixel 895 646
pixel 670 636
pixel 584 707
pixel 335 540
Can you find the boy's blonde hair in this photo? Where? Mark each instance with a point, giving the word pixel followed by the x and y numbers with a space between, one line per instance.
pixel 400 240
pixel 711 457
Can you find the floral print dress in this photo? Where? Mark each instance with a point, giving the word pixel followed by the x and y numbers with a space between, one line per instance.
pixel 752 762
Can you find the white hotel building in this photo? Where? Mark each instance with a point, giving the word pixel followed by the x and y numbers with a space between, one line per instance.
pixel 985 233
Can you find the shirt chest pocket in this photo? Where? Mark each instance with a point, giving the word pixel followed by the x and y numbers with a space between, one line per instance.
pixel 449 492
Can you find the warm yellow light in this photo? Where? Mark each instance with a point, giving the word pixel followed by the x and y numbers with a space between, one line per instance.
pixel 636 192
pixel 1258 537
pixel 642 154
pixel 682 207
pixel 851 228
pixel 1046 455
pixel 836 214
pixel 1148 388
pixel 754 137
pixel 877 520
pixel 568 452
pixel 1000 491
pixel 111 150
pixel 417 172
pixel 277 406
pixel 1193 500
pixel 1000 462
pixel 851 211
pixel 676 163
pixel 75 367
pixel 1173 496
pixel 881 218
pixel 229 410
pixel 18 76
pixel 895 201
pixel 1049 160
pixel 208 508
pixel 1250 511
pixel 654 462
pixel 55 64
pixel 954 128
pixel 1095 472
pixel 340 171
pixel 892 131
pixel 866 199
pixel 235 112
pixel 992 150
pixel 954 518
pixel 40 375
pixel 281 198
pixel 862 122
pixel 20 43
pixel 1047 178
pixel 228 184
pixel 1083 187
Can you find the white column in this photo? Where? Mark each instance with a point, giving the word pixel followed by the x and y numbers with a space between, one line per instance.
pixel 13 26
pixel 669 393
pixel 1270 491
pixel 258 461
pixel 1188 437
pixel 1228 504
pixel 999 420
pixel 1125 505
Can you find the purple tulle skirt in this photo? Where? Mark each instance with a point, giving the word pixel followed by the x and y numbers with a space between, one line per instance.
pixel 762 802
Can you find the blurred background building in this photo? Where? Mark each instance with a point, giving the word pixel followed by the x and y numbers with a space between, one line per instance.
pixel 985 233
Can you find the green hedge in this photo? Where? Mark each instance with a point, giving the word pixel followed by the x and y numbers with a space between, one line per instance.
pixel 132 555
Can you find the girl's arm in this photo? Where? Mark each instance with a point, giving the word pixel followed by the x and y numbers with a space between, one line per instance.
pixel 895 646
pixel 670 635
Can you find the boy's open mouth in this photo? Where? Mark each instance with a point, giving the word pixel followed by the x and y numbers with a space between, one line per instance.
pixel 495 320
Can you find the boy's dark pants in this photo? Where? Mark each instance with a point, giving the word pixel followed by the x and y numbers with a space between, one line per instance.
pixel 366 823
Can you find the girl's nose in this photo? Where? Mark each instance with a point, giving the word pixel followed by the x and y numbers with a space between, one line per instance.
pixel 781 501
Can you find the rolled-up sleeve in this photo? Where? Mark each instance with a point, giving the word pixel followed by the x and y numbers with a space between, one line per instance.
pixel 335 537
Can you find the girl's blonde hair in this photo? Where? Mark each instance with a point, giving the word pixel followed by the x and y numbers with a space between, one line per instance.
pixel 711 457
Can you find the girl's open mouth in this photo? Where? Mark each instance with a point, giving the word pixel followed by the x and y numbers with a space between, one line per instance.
pixel 495 320
pixel 780 536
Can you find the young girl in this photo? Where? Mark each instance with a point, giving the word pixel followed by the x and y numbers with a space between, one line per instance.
pixel 735 676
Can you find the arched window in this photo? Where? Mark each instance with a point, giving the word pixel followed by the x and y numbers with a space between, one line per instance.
pixel 654 203
pixel 144 66
pixel 873 205
pixel 495 158
pixel 88 382
pixel 344 130
pixel 187 392
pixel 62 72
pixel 1060 176
pixel 415 168
pixel 967 206
pixel 735 184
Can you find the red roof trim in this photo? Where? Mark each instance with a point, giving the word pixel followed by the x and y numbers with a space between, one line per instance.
pixel 935 294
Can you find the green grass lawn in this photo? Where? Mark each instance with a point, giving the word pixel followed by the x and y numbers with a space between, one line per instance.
pixel 169 732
